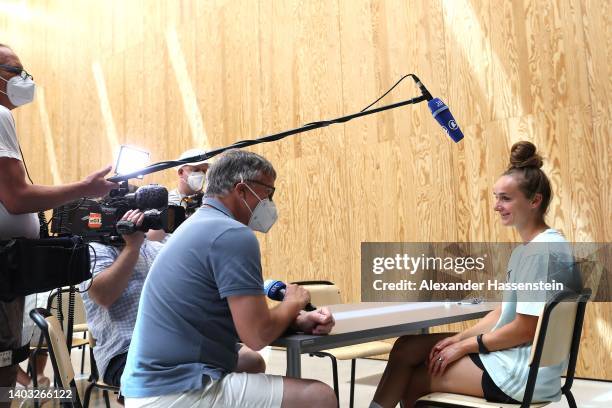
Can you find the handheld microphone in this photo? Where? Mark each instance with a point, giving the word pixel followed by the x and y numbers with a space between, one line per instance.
pixel 276 289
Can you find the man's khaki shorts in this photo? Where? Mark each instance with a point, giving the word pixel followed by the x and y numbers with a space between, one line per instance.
pixel 233 390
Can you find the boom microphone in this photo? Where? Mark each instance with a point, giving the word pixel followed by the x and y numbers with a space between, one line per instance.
pixel 276 289
pixel 440 112
pixel 445 118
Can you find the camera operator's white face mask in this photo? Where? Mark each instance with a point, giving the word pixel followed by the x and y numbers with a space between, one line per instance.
pixel 20 91
pixel 263 216
pixel 195 180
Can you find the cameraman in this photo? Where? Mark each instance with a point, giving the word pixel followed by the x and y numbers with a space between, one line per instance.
pixel 191 178
pixel 111 303
pixel 19 201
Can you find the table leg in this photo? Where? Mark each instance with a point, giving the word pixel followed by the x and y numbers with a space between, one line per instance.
pixel 294 362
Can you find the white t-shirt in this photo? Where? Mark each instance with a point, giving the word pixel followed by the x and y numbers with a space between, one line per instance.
pixel 13 225
pixel 545 258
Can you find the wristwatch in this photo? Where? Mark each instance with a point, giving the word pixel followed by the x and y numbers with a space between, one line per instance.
pixel 482 349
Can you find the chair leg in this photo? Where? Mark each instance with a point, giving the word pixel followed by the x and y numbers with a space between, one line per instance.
pixel 353 363
pixel 335 373
pixel 83 354
pixel 106 400
pixel 83 360
pixel 93 370
pixel 88 394
pixel 32 365
pixel 570 399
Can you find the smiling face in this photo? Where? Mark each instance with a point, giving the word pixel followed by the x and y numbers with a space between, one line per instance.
pixel 513 207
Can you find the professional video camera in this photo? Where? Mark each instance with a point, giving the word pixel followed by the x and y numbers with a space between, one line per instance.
pixel 100 220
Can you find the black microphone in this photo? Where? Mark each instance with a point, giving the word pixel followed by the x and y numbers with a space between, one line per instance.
pixel 440 112
pixel 276 289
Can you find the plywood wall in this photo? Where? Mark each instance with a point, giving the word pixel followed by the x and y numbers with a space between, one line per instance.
pixel 171 75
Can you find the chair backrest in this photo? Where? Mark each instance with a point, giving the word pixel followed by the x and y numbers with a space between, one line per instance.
pixel 557 336
pixel 591 272
pixel 56 341
pixel 79 307
pixel 322 293
pixel 557 327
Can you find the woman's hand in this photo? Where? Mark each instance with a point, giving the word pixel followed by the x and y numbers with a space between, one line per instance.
pixel 448 355
pixel 441 345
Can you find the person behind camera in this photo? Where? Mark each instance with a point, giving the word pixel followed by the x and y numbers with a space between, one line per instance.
pixel 111 297
pixel 205 293
pixel 20 201
pixel 191 178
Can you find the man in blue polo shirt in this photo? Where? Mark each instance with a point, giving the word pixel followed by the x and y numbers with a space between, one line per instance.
pixel 204 293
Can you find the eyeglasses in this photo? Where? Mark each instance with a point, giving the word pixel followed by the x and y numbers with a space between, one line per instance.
pixel 17 70
pixel 265 185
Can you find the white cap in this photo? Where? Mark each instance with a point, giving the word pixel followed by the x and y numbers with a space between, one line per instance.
pixel 191 153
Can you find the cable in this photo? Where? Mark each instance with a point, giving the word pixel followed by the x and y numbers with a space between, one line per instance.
pixel 42 221
pixel 385 94
pixel 24 164
pixel 92 268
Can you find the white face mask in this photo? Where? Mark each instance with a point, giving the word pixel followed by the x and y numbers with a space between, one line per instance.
pixel 195 180
pixel 20 91
pixel 263 216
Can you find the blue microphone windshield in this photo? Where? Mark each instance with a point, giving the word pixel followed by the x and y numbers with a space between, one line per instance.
pixel 445 118
pixel 274 289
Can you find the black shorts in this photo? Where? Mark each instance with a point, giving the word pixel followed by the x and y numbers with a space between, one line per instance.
pixel 491 392
pixel 115 368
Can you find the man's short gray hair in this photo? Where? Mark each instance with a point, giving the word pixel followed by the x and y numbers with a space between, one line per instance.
pixel 234 166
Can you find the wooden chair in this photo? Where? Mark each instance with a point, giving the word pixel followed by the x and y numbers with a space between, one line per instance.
pixel 557 337
pixel 326 293
pixel 79 326
pixel 58 352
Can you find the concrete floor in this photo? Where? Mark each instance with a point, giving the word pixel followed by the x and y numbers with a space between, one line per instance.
pixel 589 394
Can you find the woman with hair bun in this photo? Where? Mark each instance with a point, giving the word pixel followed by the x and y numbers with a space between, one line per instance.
pixel 490 359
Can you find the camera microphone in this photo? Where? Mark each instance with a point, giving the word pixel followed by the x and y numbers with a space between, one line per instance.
pixel 149 196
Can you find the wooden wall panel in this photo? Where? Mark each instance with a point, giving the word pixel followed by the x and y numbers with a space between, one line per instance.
pixel 214 72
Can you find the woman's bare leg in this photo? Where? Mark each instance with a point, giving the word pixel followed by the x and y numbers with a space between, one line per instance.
pixel 408 353
pixel 461 377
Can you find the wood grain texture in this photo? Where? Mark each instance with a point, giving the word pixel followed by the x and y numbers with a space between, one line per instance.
pixel 510 70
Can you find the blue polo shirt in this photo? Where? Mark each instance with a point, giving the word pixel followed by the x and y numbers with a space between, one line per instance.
pixel 184 333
